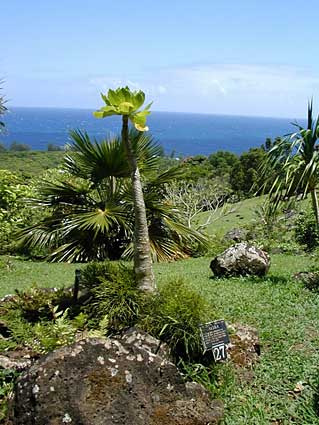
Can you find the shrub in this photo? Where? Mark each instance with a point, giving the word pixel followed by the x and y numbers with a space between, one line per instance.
pixel 315 386
pixel 42 336
pixel 54 148
pixel 19 147
pixel 96 273
pixel 54 334
pixel 115 298
pixel 14 214
pixel 38 304
pixel 173 316
pixel 307 231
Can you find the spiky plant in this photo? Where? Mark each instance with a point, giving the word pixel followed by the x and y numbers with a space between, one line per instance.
pixel 294 161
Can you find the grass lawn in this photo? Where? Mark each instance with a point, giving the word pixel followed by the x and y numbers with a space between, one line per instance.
pixel 287 318
pixel 285 314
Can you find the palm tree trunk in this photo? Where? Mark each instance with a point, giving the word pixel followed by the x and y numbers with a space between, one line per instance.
pixel 315 205
pixel 142 251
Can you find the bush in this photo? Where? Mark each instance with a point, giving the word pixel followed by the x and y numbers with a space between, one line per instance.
pixel 36 331
pixel 55 148
pixel 173 316
pixel 14 213
pixel 19 147
pixel 96 273
pixel 115 299
pixel 315 386
pixel 307 231
pixel 310 280
pixel 37 304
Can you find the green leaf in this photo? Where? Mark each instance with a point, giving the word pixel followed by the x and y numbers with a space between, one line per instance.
pixel 126 108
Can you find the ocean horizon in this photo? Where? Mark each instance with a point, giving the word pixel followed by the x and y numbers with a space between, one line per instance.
pixel 182 133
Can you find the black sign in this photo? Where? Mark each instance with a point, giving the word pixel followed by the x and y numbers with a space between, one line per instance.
pixel 214 335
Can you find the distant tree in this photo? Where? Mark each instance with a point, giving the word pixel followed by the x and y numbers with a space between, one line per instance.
pixel 245 176
pixel 54 148
pixel 19 147
pixel 191 199
pixel 2 148
pixel 3 108
pixel 223 162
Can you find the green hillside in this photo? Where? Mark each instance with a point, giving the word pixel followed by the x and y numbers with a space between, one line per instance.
pixel 30 163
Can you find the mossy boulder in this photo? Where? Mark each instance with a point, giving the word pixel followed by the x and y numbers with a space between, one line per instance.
pixel 110 381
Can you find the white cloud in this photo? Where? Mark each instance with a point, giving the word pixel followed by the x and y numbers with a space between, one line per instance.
pixel 224 88
pixel 216 88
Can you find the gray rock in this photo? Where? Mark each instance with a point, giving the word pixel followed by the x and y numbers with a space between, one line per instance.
pixel 110 381
pixel 15 364
pixel 241 259
pixel 236 235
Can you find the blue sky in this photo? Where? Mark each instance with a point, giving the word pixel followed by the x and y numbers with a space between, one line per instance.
pixel 237 57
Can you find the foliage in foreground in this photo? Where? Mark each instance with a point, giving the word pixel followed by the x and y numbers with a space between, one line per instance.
pixel 172 315
pixel 285 314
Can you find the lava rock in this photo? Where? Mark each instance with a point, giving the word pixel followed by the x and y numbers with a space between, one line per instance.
pixel 239 260
pixel 244 348
pixel 110 381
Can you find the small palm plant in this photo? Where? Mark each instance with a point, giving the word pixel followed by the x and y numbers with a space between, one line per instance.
pixel 294 161
pixel 127 103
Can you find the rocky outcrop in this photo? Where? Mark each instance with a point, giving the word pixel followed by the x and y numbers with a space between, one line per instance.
pixel 241 259
pixel 110 381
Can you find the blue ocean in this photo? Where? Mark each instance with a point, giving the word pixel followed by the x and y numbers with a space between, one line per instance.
pixel 184 134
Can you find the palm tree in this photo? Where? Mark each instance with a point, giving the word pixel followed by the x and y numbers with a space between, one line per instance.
pixel 126 103
pixel 89 207
pixel 294 161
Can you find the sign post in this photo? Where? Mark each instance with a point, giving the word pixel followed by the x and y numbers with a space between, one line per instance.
pixel 215 337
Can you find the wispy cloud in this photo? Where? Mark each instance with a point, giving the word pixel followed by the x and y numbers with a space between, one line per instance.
pixel 215 88
pixel 226 88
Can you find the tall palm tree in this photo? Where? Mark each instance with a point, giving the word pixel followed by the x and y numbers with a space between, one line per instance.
pixel 127 103
pixel 294 160
pixel 89 208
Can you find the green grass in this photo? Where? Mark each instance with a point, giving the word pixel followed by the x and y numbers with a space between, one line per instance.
pixel 287 318
pixel 19 274
pixel 285 314
pixel 234 215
